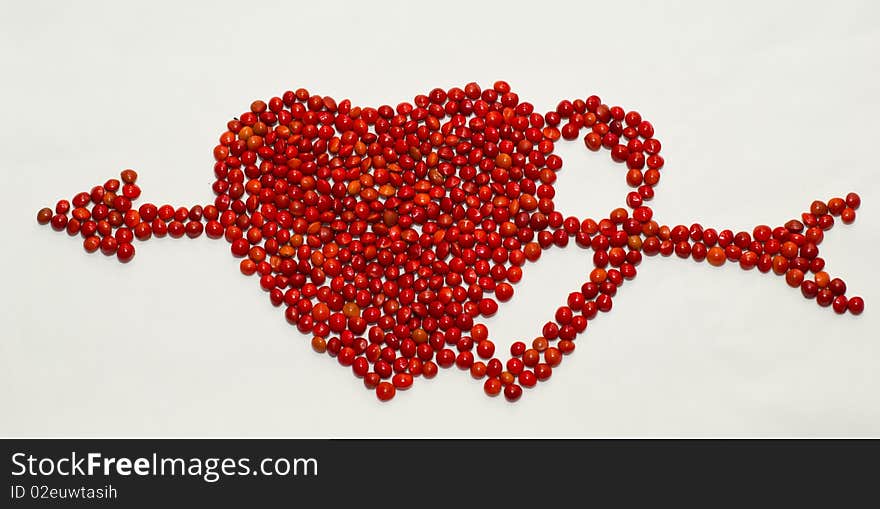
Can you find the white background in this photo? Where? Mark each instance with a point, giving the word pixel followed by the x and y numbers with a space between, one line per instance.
pixel 761 107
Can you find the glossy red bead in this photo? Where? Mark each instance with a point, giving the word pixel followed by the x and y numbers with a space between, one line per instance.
pixel 856 305
pixel 385 391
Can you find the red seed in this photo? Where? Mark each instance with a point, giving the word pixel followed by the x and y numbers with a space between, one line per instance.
pixel 125 252
pixel 91 244
pixel 44 215
pixel 402 381
pixel 853 201
pixel 794 277
pixel 194 229
pixel 512 392
pixel 856 305
pixel 839 304
pixel 492 386
pixel 109 245
pixel 59 222
pixel 385 391
pixel 129 176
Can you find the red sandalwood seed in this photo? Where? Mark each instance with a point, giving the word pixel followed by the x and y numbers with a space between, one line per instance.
pixel 824 297
pixel 385 391
pixel 44 215
pixel 108 245
pixel 125 252
pixel 492 386
pixel 853 201
pixel 839 304
pixel 856 305
pixel 512 392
